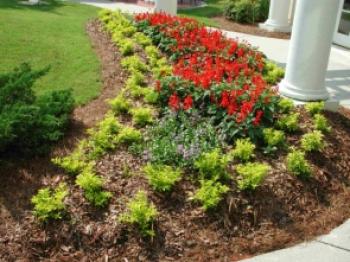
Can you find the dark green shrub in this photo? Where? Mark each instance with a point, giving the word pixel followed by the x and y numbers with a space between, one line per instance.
pixel 48 204
pixel 247 11
pixel 141 213
pixel 28 123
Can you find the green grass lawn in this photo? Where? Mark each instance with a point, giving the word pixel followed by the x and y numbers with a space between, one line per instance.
pixel 204 14
pixel 54 35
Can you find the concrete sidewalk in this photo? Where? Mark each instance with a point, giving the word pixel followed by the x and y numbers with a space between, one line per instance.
pixel 334 247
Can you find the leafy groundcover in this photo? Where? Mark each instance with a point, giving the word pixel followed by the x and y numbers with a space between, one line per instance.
pixel 197 157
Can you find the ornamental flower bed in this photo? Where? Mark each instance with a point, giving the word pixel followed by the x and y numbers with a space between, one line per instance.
pixel 217 76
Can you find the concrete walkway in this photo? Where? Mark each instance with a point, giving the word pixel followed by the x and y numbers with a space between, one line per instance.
pixel 334 247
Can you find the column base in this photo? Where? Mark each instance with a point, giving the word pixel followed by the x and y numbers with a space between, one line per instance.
pixel 300 94
pixel 275 28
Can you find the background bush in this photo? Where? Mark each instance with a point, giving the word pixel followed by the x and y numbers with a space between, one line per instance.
pixel 247 11
pixel 29 123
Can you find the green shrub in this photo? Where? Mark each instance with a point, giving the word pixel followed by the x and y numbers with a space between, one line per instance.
pixel 129 135
pixel 314 107
pixel 28 123
pixel 92 186
pixel 244 150
pixel 210 193
pixel 104 136
pixel 151 97
pixel 297 164
pixel 212 165
pixel 137 78
pixel 142 116
pixel 273 138
pixel 247 11
pixel 162 177
pixel 273 73
pixel 142 213
pixel 126 47
pixel 152 52
pixel 49 204
pixel 289 123
pixel 320 123
pixel 133 63
pixel 251 175
pixel 312 141
pixel 142 40
pixel 285 105
pixel 120 104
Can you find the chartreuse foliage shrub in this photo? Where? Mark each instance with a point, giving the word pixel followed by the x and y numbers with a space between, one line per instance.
pixel 49 204
pixel 285 105
pixel 92 186
pixel 210 193
pixel 289 123
pixel 142 40
pixel 151 97
pixel 120 104
pixel 126 47
pixel 312 141
pixel 212 165
pixel 251 175
pixel 244 150
pixel 129 135
pixel 321 123
pixel 141 213
pixel 142 116
pixel 314 107
pixel 133 63
pixel 104 136
pixel 247 11
pixel 273 139
pixel 161 177
pixel 297 164
pixel 28 123
pixel 273 73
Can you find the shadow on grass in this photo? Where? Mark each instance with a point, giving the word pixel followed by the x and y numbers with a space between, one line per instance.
pixel 45 5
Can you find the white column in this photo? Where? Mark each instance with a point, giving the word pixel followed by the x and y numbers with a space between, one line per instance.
pixel 278 20
pixel 33 2
pixel 167 6
pixel 309 51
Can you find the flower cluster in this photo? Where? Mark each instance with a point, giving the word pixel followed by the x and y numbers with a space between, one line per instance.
pixel 211 72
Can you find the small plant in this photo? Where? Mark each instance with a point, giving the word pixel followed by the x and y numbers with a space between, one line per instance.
pixel 297 164
pixel 210 193
pixel 321 123
pixel 244 150
pixel 129 135
pixel 212 165
pixel 273 138
pixel 289 123
pixel 92 186
pixel 273 73
pixel 151 97
pixel 152 52
pixel 314 108
pixel 142 116
pixel 142 213
pixel 136 78
pixel 120 105
pixel 49 204
pixel 251 175
pixel 312 141
pixel 162 177
pixel 133 63
pixel 126 47
pixel 142 40
pixel 285 105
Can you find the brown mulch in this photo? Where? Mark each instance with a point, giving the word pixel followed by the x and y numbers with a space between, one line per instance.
pixel 247 28
pixel 282 212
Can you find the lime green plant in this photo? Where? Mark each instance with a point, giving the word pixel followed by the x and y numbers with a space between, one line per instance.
pixel 133 63
pixel 314 108
pixel 141 213
pixel 120 104
pixel 212 165
pixel 142 116
pixel 273 139
pixel 126 47
pixel 312 141
pixel 210 193
pixel 285 105
pixel 320 123
pixel 297 164
pixel 49 204
pixel 244 150
pixel 289 123
pixel 251 175
pixel 161 177
pixel 151 96
pixel 129 135
pixel 142 39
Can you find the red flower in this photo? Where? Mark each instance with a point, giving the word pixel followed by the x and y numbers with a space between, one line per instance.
pixel 225 99
pixel 174 102
pixel 188 102
pixel 258 117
